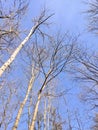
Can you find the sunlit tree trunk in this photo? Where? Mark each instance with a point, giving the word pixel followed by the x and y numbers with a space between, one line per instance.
pixel 45 116
pixel 13 56
pixel 35 112
pixel 29 111
pixel 41 20
pixel 49 107
pixel 23 103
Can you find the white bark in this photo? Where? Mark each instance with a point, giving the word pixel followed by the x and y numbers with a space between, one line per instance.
pixel 40 21
pixel 38 102
pixel 35 112
pixel 49 107
pixel 45 116
pixel 14 54
pixel 23 103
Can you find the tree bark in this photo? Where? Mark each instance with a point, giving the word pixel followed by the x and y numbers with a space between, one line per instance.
pixel 23 103
pixel 40 21
pixel 35 112
pixel 45 115
pixel 14 54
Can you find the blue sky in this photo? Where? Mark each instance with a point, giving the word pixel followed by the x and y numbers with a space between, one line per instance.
pixel 69 16
pixel 67 12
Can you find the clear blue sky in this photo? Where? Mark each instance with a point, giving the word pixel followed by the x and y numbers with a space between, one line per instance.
pixel 67 12
pixel 69 16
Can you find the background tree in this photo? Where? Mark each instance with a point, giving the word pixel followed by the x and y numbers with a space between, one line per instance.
pixel 87 73
pixel 39 21
pixel 28 89
pixel 96 122
pixel 52 64
pixel 92 13
pixel 10 22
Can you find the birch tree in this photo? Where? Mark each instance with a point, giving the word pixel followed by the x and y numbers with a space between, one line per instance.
pixel 30 85
pixel 87 73
pixel 41 20
pixel 11 16
pixel 60 56
pixel 7 105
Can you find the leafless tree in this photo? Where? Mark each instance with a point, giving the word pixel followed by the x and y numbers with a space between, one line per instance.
pixel 92 13
pixel 55 62
pixel 39 21
pixel 30 85
pixel 49 57
pixel 96 122
pixel 7 105
pixel 86 72
pixel 10 20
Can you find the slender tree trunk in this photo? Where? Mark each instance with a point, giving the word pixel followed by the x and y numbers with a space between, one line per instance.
pixel 45 114
pixel 38 101
pixel 29 112
pixel 40 21
pixel 13 56
pixel 23 103
pixel 35 112
pixel 49 107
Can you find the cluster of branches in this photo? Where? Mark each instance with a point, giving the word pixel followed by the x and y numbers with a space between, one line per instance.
pixel 11 15
pixel 48 61
pixel 46 57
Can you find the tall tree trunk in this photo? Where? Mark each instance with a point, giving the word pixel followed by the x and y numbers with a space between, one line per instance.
pixel 35 112
pixel 23 103
pixel 49 109
pixel 45 115
pixel 38 101
pixel 14 54
pixel 40 21
pixel 29 111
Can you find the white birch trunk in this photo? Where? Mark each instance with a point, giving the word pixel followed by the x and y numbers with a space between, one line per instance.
pixel 14 54
pixel 17 50
pixel 38 102
pixel 49 107
pixel 23 103
pixel 35 113
pixel 45 115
